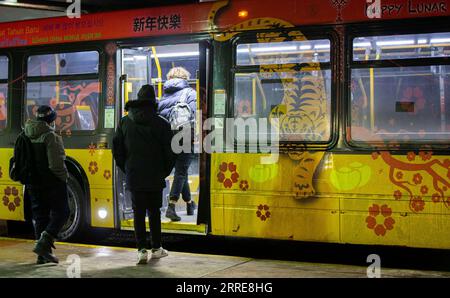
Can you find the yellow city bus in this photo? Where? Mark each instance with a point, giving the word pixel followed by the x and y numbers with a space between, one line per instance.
pixel 359 93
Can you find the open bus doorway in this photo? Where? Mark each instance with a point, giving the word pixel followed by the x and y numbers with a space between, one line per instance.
pixel 142 65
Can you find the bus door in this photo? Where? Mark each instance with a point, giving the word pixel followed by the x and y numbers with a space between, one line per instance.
pixel 150 64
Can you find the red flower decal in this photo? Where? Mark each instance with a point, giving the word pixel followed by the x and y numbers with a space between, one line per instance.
pixel 107 174
pixel 399 175
pixel 424 189
pixel 435 197
pixel 417 178
pixel 375 155
pixel 92 147
pixel 93 168
pixel 397 195
pixel 426 155
pixel 243 185
pixel 222 177
pixel 411 156
pixel 263 212
pixel 417 204
pixel 11 198
pixel 387 221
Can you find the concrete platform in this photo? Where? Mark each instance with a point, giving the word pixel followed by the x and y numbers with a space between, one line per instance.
pixel 17 260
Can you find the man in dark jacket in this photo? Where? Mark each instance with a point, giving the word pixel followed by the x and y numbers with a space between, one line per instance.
pixel 176 87
pixel 141 148
pixel 48 188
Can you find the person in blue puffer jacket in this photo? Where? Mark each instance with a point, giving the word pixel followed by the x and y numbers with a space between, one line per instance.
pixel 175 87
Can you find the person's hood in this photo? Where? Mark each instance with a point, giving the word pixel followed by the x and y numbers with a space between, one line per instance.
pixel 141 111
pixel 174 85
pixel 35 128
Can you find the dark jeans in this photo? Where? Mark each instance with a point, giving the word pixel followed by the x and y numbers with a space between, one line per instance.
pixel 50 208
pixel 181 180
pixel 143 201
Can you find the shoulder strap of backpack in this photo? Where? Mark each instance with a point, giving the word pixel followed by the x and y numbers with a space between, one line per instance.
pixel 183 96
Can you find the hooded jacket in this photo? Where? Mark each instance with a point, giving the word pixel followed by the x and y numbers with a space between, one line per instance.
pixel 49 155
pixel 142 147
pixel 172 93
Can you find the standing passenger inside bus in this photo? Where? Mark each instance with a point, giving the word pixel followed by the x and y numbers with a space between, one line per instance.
pixel 177 89
pixel 141 148
pixel 48 189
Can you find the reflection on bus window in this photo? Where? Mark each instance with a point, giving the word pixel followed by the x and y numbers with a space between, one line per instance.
pixel 298 96
pixel 3 91
pixel 3 101
pixel 409 103
pixel 76 102
pixel 63 63
pixel 3 67
pixel 283 52
pixel 401 46
pixel 150 65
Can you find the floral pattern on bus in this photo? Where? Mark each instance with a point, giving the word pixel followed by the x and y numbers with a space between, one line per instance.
pixel 384 222
pixel 263 212
pixel 228 180
pixel 11 198
pixel 420 176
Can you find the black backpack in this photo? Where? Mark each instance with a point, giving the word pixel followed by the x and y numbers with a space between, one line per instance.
pixel 21 165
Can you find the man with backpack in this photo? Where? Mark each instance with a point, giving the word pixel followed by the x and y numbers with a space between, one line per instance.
pixel 180 100
pixel 47 186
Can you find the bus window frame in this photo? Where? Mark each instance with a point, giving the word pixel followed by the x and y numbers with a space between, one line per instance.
pixel 384 29
pixel 8 83
pixel 312 33
pixel 100 76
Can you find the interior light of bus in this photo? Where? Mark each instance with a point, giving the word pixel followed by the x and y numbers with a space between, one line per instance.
pixel 422 41
pixel 243 13
pixel 305 47
pixel 362 44
pixel 322 46
pixel 102 213
pixel 439 40
pixel 179 54
pixel 128 59
pixel 140 57
pixel 395 42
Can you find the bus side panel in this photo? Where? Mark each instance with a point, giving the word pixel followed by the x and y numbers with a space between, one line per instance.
pixel 97 164
pixel 11 193
pixel 263 200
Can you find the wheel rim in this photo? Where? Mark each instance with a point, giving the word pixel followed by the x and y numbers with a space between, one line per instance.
pixel 72 221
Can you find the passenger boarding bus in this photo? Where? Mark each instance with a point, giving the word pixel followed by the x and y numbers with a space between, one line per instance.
pixel 344 105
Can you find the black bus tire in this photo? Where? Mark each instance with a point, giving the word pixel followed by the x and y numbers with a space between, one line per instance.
pixel 76 223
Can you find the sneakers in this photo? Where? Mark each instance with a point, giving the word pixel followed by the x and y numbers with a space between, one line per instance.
pixel 190 207
pixel 43 248
pixel 159 253
pixel 171 213
pixel 142 257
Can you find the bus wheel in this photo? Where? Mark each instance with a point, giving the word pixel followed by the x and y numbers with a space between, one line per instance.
pixel 77 216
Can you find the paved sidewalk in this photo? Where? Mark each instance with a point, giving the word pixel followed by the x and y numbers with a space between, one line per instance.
pixel 17 260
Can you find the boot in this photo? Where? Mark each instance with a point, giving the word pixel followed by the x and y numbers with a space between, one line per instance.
pixel 44 246
pixel 170 213
pixel 190 207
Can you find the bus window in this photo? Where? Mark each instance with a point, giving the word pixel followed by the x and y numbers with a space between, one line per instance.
pixel 3 90
pixel 150 65
pixel 63 64
pixel 75 97
pixel 299 95
pixel 407 103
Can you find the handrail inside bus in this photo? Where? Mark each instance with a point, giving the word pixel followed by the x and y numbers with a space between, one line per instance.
pixel 158 68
